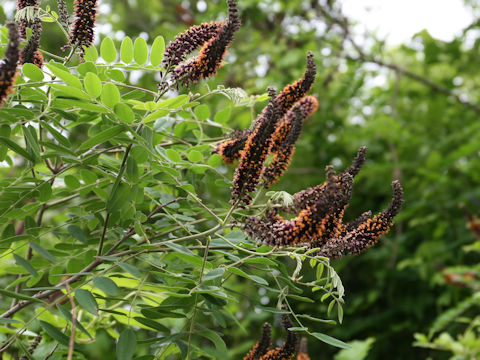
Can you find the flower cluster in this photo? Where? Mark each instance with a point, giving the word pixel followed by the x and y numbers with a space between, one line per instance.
pixel 319 217
pixel 274 131
pixel 64 17
pixel 262 351
pixel 255 152
pixel 187 42
pixel 23 23
pixel 263 344
pixel 230 150
pixel 214 37
pixel 31 53
pixel 8 65
pixel 286 135
pixel 83 27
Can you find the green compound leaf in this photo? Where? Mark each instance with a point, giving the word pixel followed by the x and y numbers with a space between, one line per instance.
pixel 107 285
pixel 55 333
pixel 92 85
pixel 15 295
pixel 155 115
pixel 195 156
pixel 140 51
pixel 110 95
pixel 215 160
pixel 87 301
pixel 102 136
pixel 124 113
pixel 25 264
pixel 91 53
pixel 126 50
pixel 108 51
pixel 173 155
pixel 32 72
pixel 16 148
pixel 127 343
pixel 77 233
pixel 331 340
pixel 132 270
pixel 118 198
pixel 69 79
pixel 242 273
pixel 158 47
pixel 43 252
pixel 202 112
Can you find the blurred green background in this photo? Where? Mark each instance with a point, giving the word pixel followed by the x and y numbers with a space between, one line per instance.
pixel 415 106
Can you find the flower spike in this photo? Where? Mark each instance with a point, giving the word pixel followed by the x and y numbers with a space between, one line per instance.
pixel 294 92
pixel 318 222
pixel 251 164
pixel 211 55
pixel 83 27
pixel 367 233
pixel 187 42
pixel 308 197
pixel 319 217
pixel 286 135
pixel 287 351
pixel 8 65
pixel 230 149
pixel 263 345
pixel 23 23
pixel 30 53
pixel 64 16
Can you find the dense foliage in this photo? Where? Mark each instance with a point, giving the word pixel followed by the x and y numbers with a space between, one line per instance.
pixel 109 186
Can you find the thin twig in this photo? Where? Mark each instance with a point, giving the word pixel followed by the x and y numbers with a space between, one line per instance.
pixel 105 225
pixel 51 352
pixel 192 319
pixel 71 343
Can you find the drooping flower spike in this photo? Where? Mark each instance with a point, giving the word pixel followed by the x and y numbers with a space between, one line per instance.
pixel 288 349
pixel 310 196
pixel 368 232
pixel 8 65
pixel 294 92
pixel 263 345
pixel 230 149
pixel 319 220
pixel 64 16
pixel 319 214
pixel 188 41
pixel 253 156
pixel 82 32
pixel 210 56
pixel 262 349
pixel 23 23
pixel 31 53
pixel 286 135
pixel 303 351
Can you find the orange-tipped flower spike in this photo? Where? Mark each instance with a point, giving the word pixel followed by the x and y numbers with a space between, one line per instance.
pixel 251 165
pixel 8 65
pixel 263 345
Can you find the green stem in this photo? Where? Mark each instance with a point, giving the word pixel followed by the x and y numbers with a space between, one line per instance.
pixel 192 320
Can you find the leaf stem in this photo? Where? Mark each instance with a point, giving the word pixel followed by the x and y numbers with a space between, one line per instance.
pixel 192 319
